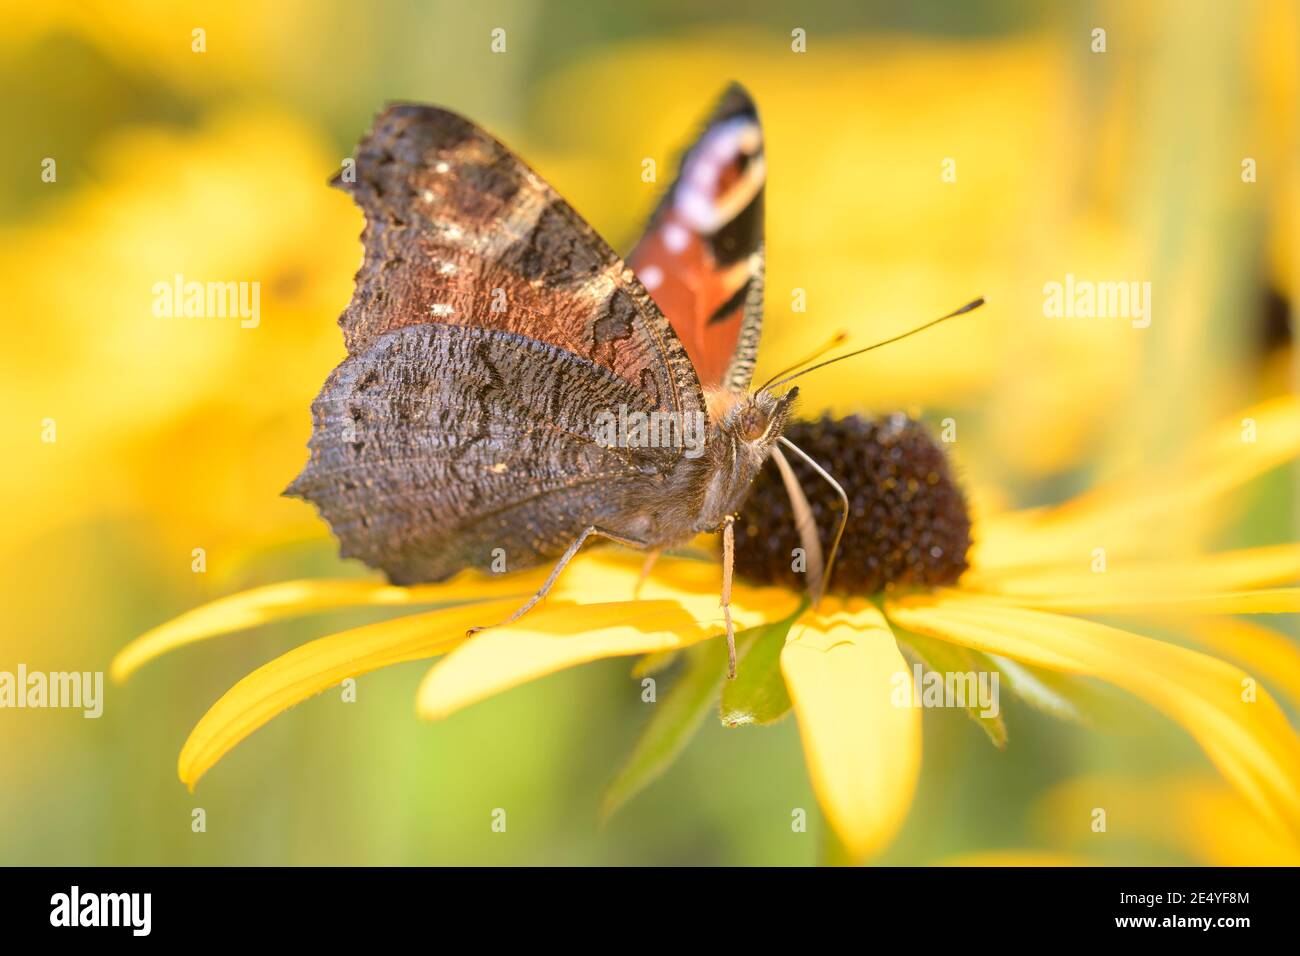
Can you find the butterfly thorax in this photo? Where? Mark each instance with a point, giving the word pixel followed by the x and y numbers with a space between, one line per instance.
pixel 700 491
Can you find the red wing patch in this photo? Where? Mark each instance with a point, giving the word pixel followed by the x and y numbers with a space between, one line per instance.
pixel 701 256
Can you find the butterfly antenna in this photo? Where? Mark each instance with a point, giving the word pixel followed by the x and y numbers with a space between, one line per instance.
pixel 968 307
pixel 839 338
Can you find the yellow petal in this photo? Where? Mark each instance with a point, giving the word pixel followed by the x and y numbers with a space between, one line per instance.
pixel 608 574
pixel 1261 651
pixel 653 664
pixel 1121 515
pixel 237 612
pixel 612 575
pixel 1225 571
pixel 845 675
pixel 1212 824
pixel 678 608
pixel 1262 601
pixel 317 666
pixel 1250 742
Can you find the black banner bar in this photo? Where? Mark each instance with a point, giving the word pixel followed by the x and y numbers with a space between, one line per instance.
pixel 324 905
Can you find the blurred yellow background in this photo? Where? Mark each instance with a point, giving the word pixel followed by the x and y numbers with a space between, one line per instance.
pixel 919 154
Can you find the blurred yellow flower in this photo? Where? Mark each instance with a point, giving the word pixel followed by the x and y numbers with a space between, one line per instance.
pixel 902 187
pixel 238 39
pixel 1190 818
pixel 1111 819
pixel 240 200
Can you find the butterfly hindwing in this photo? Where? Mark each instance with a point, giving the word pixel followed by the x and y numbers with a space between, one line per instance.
pixel 437 445
pixel 701 256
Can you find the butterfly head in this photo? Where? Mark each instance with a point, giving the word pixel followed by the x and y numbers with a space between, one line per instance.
pixel 753 422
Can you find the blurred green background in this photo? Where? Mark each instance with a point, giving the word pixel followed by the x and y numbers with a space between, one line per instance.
pixel 180 434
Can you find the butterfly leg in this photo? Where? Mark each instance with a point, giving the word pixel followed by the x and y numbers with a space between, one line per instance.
pixel 555 573
pixel 728 562
pixel 646 568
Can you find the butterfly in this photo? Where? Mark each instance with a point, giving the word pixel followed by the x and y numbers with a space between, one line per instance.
pixel 494 338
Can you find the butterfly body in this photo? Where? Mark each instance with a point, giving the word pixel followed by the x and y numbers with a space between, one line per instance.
pixel 740 441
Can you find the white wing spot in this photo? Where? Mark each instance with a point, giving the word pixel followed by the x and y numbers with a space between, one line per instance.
pixel 651 277
pixel 675 237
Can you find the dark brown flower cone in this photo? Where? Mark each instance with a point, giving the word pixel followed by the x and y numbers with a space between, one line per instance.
pixel 908 521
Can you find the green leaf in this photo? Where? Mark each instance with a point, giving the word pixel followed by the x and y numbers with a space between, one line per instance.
pixel 944 658
pixel 676 717
pixel 1069 697
pixel 758 694
pixel 1044 691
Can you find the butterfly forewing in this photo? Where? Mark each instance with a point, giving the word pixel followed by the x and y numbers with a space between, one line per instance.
pixel 702 253
pixel 459 230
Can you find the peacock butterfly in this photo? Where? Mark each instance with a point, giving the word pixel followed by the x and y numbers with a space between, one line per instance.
pixel 493 336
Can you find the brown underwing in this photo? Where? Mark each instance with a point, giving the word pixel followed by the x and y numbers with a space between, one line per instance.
pixel 512 387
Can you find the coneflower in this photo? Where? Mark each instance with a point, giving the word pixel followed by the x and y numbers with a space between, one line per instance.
pixel 1023 593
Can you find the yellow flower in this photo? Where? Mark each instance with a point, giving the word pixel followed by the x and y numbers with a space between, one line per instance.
pixel 1186 818
pixel 1113 819
pixel 1024 601
pixel 144 389
pixel 242 40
